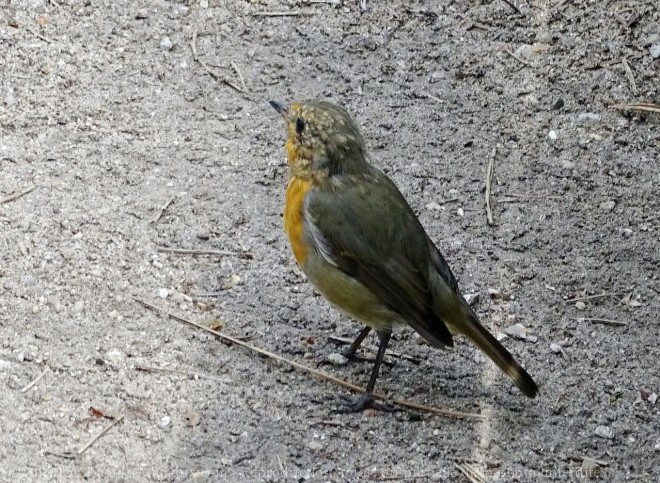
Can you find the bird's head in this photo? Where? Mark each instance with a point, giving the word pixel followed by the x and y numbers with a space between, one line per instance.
pixel 321 138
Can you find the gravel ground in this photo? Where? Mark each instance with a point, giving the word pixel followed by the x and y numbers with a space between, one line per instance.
pixel 105 111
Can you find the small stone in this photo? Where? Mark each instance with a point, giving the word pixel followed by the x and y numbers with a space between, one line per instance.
pixel 433 206
pixel 655 51
pixel 166 44
pixel 524 51
pixel 472 299
pixel 460 212
pixel 204 4
pixel 35 309
pixel 114 357
pixel 608 205
pixel 315 445
pixel 580 305
pixel 567 164
pixel 590 468
pixel 484 442
pixel 552 135
pixel 96 273
pixel 337 359
pixel 604 432
pixel 4 365
pixel 79 306
pixel 163 293
pixel 191 418
pixel 165 421
pixel 555 348
pixel 559 103
pixel 586 117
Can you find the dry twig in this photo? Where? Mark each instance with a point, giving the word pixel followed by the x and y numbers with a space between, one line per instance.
pixel 629 74
pixel 238 73
pixel 597 320
pixel 591 297
pixel 156 216
pixel 636 107
pixel 214 253
pixel 471 472
pixel 36 380
pixel 291 13
pixel 96 438
pixel 16 195
pixel 319 374
pixel 192 375
pixel 193 47
pixel 489 179
pixel 512 5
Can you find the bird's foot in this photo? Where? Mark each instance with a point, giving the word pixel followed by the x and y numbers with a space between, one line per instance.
pixel 353 357
pixel 355 404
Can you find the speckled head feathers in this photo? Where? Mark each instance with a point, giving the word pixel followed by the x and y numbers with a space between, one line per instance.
pixel 322 136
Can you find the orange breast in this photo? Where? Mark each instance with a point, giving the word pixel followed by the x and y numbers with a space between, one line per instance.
pixel 293 217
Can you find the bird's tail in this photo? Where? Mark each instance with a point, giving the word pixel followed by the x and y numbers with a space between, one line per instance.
pixel 490 346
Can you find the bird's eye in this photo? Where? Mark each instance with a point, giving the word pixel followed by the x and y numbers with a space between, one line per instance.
pixel 300 125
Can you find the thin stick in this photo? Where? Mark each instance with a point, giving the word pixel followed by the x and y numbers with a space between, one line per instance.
pixel 597 320
pixel 193 47
pixel 636 107
pixel 183 373
pixel 599 296
pixel 629 74
pixel 471 472
pixel 215 253
pixel 517 57
pixel 39 36
pixel 489 179
pixel 16 195
pixel 38 378
pixel 95 438
pixel 238 73
pixel 156 216
pixel 321 375
pixel 291 13
pixel 534 197
pixel 560 4
pixel 512 5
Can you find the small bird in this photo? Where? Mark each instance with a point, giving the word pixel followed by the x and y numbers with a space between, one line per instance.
pixel 359 242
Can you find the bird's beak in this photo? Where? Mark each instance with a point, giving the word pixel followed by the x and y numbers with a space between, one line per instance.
pixel 279 107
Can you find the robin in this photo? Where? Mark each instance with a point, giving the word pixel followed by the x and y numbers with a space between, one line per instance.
pixel 358 241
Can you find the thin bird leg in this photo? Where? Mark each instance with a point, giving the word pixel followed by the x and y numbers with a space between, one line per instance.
pixel 367 400
pixel 350 352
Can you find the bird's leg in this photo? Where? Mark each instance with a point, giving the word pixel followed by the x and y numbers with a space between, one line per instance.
pixel 367 400
pixel 351 351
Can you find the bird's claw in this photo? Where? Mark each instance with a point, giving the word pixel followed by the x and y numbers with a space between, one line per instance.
pixel 355 404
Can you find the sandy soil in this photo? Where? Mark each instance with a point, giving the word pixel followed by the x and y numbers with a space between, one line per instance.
pixel 104 110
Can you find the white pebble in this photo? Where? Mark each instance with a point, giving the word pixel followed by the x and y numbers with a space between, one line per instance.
pixel 163 293
pixel 165 421
pixel 580 305
pixel 604 432
pixel 655 51
pixel 552 135
pixel 166 44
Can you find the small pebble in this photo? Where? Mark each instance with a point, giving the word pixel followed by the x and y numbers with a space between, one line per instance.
pixel 337 359
pixel 114 357
pixel 460 212
pixel 163 293
pixel 580 305
pixel 559 103
pixel 166 44
pixel 552 135
pixel 35 309
pixel 555 348
pixel 655 51
pixel 608 205
pixel 4 365
pixel 165 421
pixel 568 164
pixel 315 445
pixel 604 432
pixel 79 306
pixel 587 116
pixel 590 468
pixel 524 51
